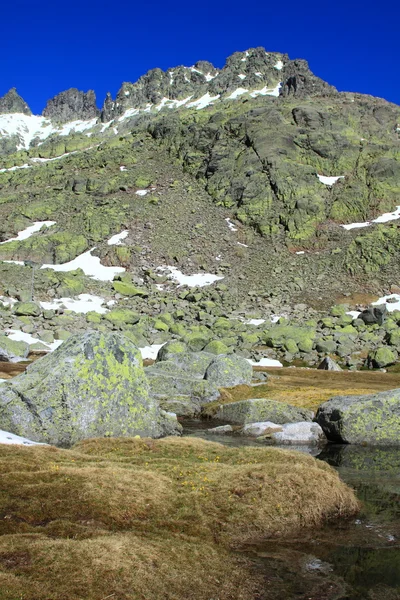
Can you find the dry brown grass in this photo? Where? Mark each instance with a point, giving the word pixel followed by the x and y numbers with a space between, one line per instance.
pixel 151 519
pixel 308 388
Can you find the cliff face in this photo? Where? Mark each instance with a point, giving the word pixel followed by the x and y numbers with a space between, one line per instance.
pixel 72 105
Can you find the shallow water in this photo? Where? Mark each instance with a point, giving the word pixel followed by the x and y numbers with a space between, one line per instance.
pixel 350 560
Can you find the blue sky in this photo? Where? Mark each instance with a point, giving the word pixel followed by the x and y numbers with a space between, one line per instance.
pixel 48 46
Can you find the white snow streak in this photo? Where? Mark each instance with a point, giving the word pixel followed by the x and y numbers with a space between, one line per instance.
pixel 203 102
pixel 265 362
pixel 385 218
pixel 230 224
pixel 150 352
pixel 26 233
pixel 21 336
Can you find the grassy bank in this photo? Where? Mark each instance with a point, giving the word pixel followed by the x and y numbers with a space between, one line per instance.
pixel 308 388
pixel 151 519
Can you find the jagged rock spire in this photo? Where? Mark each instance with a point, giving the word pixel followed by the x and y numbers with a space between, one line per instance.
pixel 72 105
pixel 13 103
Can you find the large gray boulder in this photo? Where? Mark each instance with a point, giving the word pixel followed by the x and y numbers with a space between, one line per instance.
pixel 256 410
pixel 306 433
pixel 227 371
pixel 371 419
pixel 92 386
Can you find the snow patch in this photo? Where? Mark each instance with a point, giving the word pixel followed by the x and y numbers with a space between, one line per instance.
pixel 279 65
pixel 77 126
pixel 243 245
pixel 255 322
pixel 329 180
pixel 15 168
pixel 385 218
pixel 150 352
pixel 300 252
pixel 392 302
pixel 26 233
pixel 197 280
pixel 11 438
pixel 84 304
pixel 265 362
pixel 266 91
pixel 238 92
pixel 90 265
pixel 242 76
pixel 116 239
pixel 6 301
pixel 353 313
pixel 203 102
pixel 21 336
pixel 142 192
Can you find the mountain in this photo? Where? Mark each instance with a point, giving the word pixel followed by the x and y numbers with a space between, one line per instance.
pixel 259 173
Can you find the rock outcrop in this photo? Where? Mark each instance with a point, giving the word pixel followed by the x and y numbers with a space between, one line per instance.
pixel 373 419
pixel 13 103
pixel 72 105
pixel 92 386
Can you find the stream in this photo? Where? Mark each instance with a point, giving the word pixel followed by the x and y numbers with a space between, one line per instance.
pixel 348 560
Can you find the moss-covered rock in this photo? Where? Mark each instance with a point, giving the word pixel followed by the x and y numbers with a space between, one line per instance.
pixel 227 371
pixel 257 410
pixel 93 385
pixel 383 357
pixel 129 289
pixel 371 419
pixel 122 316
pixel 216 347
pixel 12 351
pixel 27 309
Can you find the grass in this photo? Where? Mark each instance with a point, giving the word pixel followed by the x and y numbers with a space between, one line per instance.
pixel 151 519
pixel 308 388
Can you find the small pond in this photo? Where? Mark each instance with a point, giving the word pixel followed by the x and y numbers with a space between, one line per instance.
pixel 350 560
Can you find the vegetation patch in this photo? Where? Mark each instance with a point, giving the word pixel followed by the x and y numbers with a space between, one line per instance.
pixel 141 518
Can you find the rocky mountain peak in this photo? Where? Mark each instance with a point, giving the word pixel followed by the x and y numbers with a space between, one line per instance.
pixel 13 103
pixel 72 105
pixel 300 81
pixel 254 69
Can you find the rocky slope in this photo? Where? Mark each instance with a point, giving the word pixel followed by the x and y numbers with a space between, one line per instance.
pixel 248 173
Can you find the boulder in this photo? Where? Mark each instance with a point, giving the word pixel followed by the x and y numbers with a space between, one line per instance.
pixel 371 419
pixel 185 395
pixel 12 351
pixel 27 309
pixel 93 385
pixel 328 364
pixel 300 433
pixel 265 428
pixel 227 371
pixel 220 430
pixel 258 410
pixel 382 357
pixel 374 315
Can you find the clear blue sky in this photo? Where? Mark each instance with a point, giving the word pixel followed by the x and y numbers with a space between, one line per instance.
pixel 48 46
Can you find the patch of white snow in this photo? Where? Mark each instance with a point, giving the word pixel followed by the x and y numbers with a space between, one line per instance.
pixel 230 224
pixel 84 304
pixel 237 93
pixel 279 65
pixel 150 352
pixel 197 280
pixel 11 438
pixel 26 233
pixel 90 265
pixel 265 362
pixel 203 102
pixel 329 180
pixel 392 302
pixel 266 91
pixel 142 192
pixel 116 239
